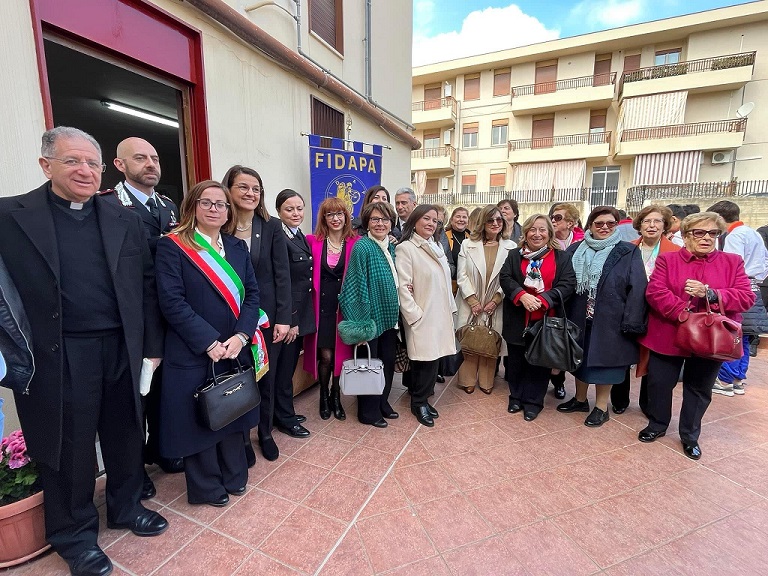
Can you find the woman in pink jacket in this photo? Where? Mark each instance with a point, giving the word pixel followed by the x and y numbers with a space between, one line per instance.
pixel 683 280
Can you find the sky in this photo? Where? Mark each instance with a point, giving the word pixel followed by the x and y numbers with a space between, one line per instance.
pixel 449 29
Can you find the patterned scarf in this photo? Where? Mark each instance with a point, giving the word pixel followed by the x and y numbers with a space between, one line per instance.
pixel 533 277
pixel 589 258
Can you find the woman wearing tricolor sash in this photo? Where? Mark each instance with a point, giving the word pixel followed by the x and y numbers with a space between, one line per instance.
pixel 209 296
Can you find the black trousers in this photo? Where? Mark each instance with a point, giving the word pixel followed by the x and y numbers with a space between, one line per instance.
pixel 422 384
pixel 527 383
pixel 370 408
pixel 620 392
pixel 216 470
pixel 151 405
pixel 285 415
pixel 698 377
pixel 98 397
pixel 267 385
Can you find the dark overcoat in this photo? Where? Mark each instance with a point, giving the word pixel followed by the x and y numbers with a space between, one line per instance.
pixel 620 308
pixel 28 247
pixel 197 316
pixel 269 256
pixel 511 279
pixel 301 264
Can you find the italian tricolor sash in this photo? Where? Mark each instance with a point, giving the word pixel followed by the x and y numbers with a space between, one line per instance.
pixel 227 283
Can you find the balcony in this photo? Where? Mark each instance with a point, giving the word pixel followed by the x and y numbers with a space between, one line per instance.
pixel 429 114
pixel 434 160
pixel 593 91
pixel 592 146
pixel 696 192
pixel 540 196
pixel 717 135
pixel 705 75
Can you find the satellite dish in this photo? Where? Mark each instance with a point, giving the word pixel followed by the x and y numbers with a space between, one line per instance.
pixel 745 109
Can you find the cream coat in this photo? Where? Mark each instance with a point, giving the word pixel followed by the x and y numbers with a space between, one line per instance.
pixel 428 312
pixel 470 277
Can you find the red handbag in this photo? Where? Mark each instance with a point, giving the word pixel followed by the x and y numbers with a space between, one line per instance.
pixel 709 334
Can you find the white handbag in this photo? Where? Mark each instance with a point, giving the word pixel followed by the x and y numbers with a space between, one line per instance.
pixel 362 377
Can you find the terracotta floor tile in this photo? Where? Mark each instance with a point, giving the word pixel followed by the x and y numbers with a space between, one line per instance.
pixel 238 521
pixel 443 442
pixel 365 464
pixel 210 554
pixel 489 556
pixel 50 564
pixel 391 439
pixel 202 513
pixel 452 522
pixel 350 429
pixel 434 566
pixel 260 564
pixel 324 451
pixel 339 496
pixel 294 480
pixel 263 467
pixel 694 555
pixel 394 539
pixel 513 459
pixel 749 468
pixel 288 445
pixel 303 540
pixel 424 482
pixel 457 414
pixel 516 428
pixel 470 470
pixel 349 559
pixel 503 506
pixel 756 515
pixel 388 497
pixel 415 453
pixel 651 563
pixel 169 487
pixel 724 492
pixel 452 395
pixel 551 491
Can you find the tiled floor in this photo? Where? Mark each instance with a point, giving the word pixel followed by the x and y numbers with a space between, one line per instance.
pixel 484 493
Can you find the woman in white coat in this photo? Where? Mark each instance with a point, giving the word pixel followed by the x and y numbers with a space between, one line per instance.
pixel 480 296
pixel 426 305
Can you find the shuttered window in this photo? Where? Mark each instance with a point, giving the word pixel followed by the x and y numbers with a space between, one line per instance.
pixel 546 77
pixel 468 182
pixel 432 186
pixel 597 121
pixel 499 132
pixel 501 82
pixel 326 20
pixel 602 70
pixel 432 98
pixel 631 62
pixel 326 121
pixel 432 139
pixel 471 86
pixel 498 181
pixel 542 132
pixel 469 135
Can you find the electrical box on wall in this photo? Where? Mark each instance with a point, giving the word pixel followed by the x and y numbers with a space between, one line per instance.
pixel 443 183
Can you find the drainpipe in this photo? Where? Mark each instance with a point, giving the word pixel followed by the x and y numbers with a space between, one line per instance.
pixel 302 65
pixel 368 88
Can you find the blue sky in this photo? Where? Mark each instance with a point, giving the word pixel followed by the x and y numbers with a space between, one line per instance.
pixel 447 29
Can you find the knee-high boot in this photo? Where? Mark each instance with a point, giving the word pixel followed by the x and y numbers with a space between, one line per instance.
pixel 338 409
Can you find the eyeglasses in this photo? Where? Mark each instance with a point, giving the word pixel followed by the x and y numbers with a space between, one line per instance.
pixel 244 189
pixel 610 225
pixel 378 220
pixel 699 233
pixel 655 221
pixel 497 220
pixel 72 163
pixel 332 215
pixel 556 217
pixel 219 206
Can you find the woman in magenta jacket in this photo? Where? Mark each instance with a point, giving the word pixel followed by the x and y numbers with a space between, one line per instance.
pixel 696 272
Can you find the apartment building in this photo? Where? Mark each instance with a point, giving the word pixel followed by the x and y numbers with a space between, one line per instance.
pixel 669 110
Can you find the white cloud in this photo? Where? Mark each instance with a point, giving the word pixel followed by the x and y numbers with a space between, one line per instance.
pixel 482 31
pixel 598 14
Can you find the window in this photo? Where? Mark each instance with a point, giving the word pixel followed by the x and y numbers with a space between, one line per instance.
pixel 325 20
pixel 432 186
pixel 432 97
pixel 499 132
pixel 602 70
pixel 468 183
pixel 597 121
pixel 543 130
pixel 326 121
pixel 472 87
pixel 546 77
pixel 605 185
pixel 432 139
pixel 469 133
pixel 498 181
pixel 631 63
pixel 668 56
pixel 501 82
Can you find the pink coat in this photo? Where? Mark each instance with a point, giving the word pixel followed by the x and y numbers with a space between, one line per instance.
pixel 342 351
pixel 666 296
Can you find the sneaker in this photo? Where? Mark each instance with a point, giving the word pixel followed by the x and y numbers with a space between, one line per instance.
pixel 738 389
pixel 722 388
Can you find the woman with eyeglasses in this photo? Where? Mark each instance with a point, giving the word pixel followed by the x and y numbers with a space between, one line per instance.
pixel 608 307
pixel 686 280
pixel 267 244
pixel 205 325
pixel 324 351
pixel 653 222
pixel 479 296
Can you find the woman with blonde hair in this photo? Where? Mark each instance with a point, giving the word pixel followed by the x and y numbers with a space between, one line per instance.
pixel 479 296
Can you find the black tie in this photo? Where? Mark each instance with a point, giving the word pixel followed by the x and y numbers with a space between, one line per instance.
pixel 153 208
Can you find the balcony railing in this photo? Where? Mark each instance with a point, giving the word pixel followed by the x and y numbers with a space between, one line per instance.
pixel 567 84
pixel 438 152
pixel 436 104
pixel 544 195
pixel 680 130
pixel 691 66
pixel 569 140
pixel 639 196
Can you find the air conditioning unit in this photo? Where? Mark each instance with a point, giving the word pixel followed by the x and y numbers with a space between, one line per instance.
pixel 722 156
pixel 443 183
pixel 447 137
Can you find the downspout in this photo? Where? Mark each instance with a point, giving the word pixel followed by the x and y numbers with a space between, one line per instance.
pixel 368 87
pixel 301 65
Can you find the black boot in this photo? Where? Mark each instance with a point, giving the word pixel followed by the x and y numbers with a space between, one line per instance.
pixel 338 409
pixel 325 410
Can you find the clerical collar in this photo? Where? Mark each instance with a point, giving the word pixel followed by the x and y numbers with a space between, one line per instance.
pixel 140 196
pixel 80 207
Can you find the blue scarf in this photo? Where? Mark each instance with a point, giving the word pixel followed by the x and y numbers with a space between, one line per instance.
pixel 589 259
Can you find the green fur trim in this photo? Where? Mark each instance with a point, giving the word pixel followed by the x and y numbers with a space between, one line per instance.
pixel 352 332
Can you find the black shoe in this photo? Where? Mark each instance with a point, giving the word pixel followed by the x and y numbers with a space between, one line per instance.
pixel 529 415
pixel 297 430
pixel 269 448
pixel 222 500
pixel 692 450
pixel 389 413
pixel 300 418
pixel 148 523
pixel 619 409
pixel 597 418
pixel 92 562
pixel 325 403
pixel 440 379
pixel 422 415
pixel 380 423
pixel 573 405
pixel 336 407
pixel 432 411
pixel 648 435
pixel 171 465
pixel 250 455
pixel 514 406
pixel 148 488
pixel 559 391
pixel 239 492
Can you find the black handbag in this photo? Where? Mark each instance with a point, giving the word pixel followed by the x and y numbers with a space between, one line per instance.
pixel 225 397
pixel 552 342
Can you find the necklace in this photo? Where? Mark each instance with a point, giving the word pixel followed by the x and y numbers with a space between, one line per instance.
pixel 333 246
pixel 244 228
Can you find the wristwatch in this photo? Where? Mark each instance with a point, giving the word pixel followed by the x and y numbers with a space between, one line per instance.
pixel 243 338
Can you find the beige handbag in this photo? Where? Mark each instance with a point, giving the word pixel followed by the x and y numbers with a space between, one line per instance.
pixel 479 339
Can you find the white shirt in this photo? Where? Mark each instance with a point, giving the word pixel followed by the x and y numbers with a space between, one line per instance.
pixel 219 242
pixel 677 239
pixel 140 196
pixel 748 244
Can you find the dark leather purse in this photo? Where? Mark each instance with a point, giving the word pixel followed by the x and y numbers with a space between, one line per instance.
pixel 552 342
pixel 709 334
pixel 225 397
